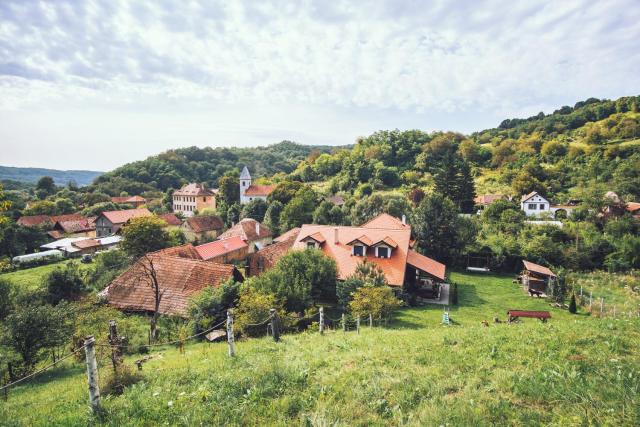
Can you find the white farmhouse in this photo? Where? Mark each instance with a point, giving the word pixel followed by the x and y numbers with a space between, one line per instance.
pixel 249 192
pixel 533 204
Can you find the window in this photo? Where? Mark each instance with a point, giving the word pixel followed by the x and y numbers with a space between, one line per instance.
pixel 383 252
pixel 359 250
pixel 204 199
pixel 311 245
pixel 532 206
pixel 541 206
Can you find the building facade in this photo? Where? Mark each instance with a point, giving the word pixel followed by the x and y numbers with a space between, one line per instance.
pixel 250 192
pixel 193 197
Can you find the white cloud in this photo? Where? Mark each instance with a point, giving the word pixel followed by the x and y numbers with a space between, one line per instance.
pixel 412 59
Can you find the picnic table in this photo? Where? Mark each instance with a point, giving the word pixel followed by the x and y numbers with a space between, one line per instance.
pixel 515 314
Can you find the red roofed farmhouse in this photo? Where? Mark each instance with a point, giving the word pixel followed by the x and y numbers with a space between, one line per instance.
pixel 225 250
pixel 110 222
pixel 178 280
pixel 384 241
pixel 256 235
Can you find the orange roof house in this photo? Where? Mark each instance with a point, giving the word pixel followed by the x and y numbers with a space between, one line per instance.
pixel 224 250
pixel 487 199
pixel 202 228
pixel 135 201
pixel 251 231
pixel 266 258
pixel 178 278
pixel 384 241
pixel 110 222
pixel 34 221
pixel 171 219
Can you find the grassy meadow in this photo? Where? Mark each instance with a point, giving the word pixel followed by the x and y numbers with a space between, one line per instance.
pixel 573 370
pixel 32 278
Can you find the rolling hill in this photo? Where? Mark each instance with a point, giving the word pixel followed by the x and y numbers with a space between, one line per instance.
pixel 61 177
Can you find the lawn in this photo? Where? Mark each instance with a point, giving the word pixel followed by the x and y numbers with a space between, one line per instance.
pixel 31 278
pixel 573 370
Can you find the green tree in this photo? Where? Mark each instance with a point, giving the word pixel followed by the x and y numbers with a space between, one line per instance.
pixel 143 235
pixel 229 189
pixel 435 223
pixel 573 308
pixel 254 307
pixel 31 328
pixel 299 210
pixel 255 209
pixel 272 217
pixel 299 278
pixel 365 274
pixel 64 284
pixel 47 185
pixel 209 307
pixel 6 297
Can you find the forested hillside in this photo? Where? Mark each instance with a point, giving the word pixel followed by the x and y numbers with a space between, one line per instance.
pixel 173 168
pixel 32 175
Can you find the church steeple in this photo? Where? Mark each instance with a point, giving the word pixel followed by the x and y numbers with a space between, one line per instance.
pixel 245 181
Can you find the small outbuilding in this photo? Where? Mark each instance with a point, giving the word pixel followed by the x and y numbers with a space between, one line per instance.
pixel 536 278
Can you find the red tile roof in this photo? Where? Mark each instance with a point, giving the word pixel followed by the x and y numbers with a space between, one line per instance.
pixel 393 268
pixel 76 226
pixel 220 247
pixel 633 206
pixel 201 224
pixel 287 235
pixel 487 199
pixel 426 264
pixel 266 258
pixel 388 241
pixel 259 190
pixel 179 279
pixel 120 217
pixel 85 244
pixel 545 271
pixel 246 229
pixel 183 251
pixel 66 217
pixel 34 220
pixel 194 189
pixel 170 218
pixel 385 221
pixel 128 199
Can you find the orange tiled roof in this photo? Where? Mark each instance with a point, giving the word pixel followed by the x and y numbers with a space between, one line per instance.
pixel 633 206
pixel 426 264
pixel 200 224
pixel 183 251
pixel 385 221
pixel 120 217
pixel 287 235
pixel 246 229
pixel 128 199
pixel 85 244
pixel 66 217
pixel 76 226
pixel 259 190
pixel 34 220
pixel 194 189
pixel 487 199
pixel 179 279
pixel 267 257
pixel 170 218
pixel 393 267
pixel 538 268
pixel 362 239
pixel 389 242
pixel 220 247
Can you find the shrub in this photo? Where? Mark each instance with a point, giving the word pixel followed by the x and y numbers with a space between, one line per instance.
pixel 572 304
pixel 116 382
pixel 253 308
pixel 209 307
pixel 64 284
pixel 377 301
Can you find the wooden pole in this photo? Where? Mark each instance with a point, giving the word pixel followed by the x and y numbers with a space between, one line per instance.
pixel 358 324
pixel 232 347
pixel 614 311
pixel 92 373
pixel 274 325
pixel 370 320
pixel 590 300
pixel 115 345
pixel 344 323
pixel 321 324
pixel 601 305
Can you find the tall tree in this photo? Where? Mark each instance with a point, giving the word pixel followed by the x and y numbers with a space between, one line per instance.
pixel 435 222
pixel 47 185
pixel 143 235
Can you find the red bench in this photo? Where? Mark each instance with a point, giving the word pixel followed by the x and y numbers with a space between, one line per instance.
pixel 515 314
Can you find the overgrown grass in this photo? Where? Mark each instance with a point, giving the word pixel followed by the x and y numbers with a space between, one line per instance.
pixel 621 290
pixel 573 370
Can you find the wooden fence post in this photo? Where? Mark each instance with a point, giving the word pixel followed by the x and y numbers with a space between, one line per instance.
pixel 614 311
pixel 116 350
pixel 344 323
pixel 601 306
pixel 321 324
pixel 590 301
pixel 358 324
pixel 274 325
pixel 92 373
pixel 370 320
pixel 232 347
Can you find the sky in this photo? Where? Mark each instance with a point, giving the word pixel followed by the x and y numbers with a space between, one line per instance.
pixel 96 84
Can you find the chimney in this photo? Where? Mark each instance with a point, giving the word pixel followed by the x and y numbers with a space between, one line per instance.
pixel 404 220
pixel 257 228
pixel 335 235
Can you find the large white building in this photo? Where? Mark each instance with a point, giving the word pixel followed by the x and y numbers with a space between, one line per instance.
pixel 533 204
pixel 249 192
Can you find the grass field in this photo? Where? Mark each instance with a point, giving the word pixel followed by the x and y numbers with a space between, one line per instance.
pixel 573 370
pixel 31 278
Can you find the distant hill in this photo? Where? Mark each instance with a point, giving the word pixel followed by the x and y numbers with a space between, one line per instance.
pixel 32 175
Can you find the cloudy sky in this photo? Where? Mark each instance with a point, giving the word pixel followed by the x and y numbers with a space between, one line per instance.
pixel 94 84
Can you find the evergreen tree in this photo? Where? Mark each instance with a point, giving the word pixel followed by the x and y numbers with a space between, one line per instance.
pixel 572 304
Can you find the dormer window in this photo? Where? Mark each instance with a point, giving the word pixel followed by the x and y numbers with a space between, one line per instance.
pixel 311 244
pixel 359 250
pixel 383 252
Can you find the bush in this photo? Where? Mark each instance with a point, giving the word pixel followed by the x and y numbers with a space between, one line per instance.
pixel 209 307
pixel 380 302
pixel 572 304
pixel 64 284
pixel 253 308
pixel 124 377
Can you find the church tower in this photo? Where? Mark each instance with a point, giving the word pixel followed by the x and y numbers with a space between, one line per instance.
pixel 245 182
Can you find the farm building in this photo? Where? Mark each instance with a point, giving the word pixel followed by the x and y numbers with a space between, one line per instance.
pixel 202 228
pixel 110 222
pixel 536 278
pixel 224 250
